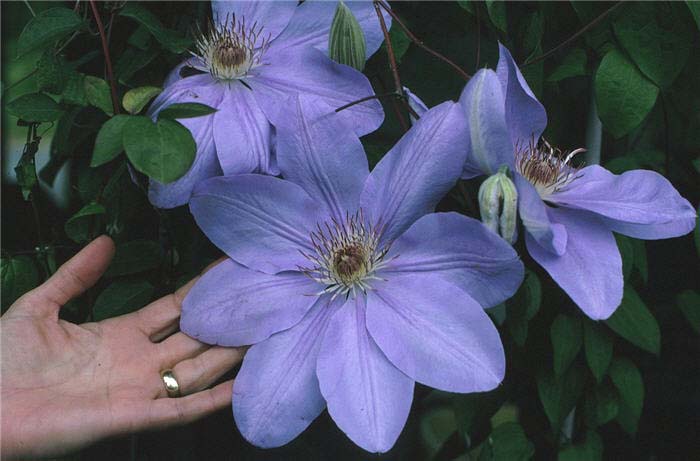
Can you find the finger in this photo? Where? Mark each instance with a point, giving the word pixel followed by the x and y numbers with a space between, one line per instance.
pixel 179 347
pixel 174 411
pixel 161 318
pixel 74 277
pixel 201 371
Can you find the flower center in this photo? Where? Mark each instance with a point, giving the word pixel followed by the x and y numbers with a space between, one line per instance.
pixel 545 167
pixel 230 50
pixel 346 255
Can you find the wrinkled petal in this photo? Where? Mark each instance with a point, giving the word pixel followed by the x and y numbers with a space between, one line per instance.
pixel 367 396
pixel 590 270
pixel 231 305
pixel 417 172
pixel 311 25
pixel 415 103
pixel 461 250
pixel 205 164
pixel 639 203
pixel 484 104
pixel 533 212
pixel 273 17
pixel 259 221
pixel 242 133
pixel 276 395
pixel 436 333
pixel 308 71
pixel 525 116
pixel 319 152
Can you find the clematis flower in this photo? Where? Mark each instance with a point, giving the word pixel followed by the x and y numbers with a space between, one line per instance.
pixel 569 214
pixel 346 284
pixel 255 55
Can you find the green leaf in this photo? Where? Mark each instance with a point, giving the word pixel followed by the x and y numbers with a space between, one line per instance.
pixel 657 37
pixel 598 347
pixel 47 27
pixel 628 381
pixel 185 110
pixel 122 297
pixel 134 257
pixel 35 107
pixel 170 39
pixel 601 406
pixel 559 396
pixel 98 94
pixel 624 97
pixel 688 302
pixel 346 40
pixel 81 226
pixel 694 7
pixel 436 426
pixel 74 91
pixel 25 171
pixel 624 244
pixel 640 259
pixel 509 442
pixel 633 321
pixel 591 449
pixel 399 42
pixel 497 14
pixel 466 5
pixel 136 99
pixel 19 275
pixel 573 65
pixel 132 61
pixel 567 338
pixel 109 141
pixel 163 151
pixel 523 307
pixel 50 73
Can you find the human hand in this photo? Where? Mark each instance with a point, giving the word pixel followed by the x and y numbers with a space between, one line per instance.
pixel 64 386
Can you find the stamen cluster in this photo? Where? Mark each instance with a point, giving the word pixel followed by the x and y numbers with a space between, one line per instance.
pixel 231 49
pixel 347 255
pixel 545 167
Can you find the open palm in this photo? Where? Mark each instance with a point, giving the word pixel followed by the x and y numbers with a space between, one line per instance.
pixel 65 385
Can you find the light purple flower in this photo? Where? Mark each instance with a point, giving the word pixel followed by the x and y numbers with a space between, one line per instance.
pixel 257 54
pixel 569 214
pixel 348 286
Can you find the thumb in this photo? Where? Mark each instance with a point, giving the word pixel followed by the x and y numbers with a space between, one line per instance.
pixel 74 277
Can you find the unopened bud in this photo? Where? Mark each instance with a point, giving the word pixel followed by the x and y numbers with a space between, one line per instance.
pixel 346 41
pixel 498 204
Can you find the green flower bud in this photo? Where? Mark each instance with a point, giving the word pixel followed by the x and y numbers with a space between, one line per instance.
pixel 498 204
pixel 346 41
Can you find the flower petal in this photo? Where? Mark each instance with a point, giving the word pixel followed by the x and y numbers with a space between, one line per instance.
pixel 461 250
pixel 259 221
pixel 417 172
pixel 319 152
pixel 590 270
pixel 206 165
pixel 525 116
pixel 639 203
pixel 242 133
pixel 533 212
pixel 367 396
pixel 489 139
pixel 231 305
pixel 276 395
pixel 273 17
pixel 311 25
pixel 436 333
pixel 416 104
pixel 308 71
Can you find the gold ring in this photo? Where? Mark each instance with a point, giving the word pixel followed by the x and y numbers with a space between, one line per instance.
pixel 172 387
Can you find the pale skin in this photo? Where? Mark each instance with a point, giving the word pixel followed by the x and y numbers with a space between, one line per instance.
pixel 64 386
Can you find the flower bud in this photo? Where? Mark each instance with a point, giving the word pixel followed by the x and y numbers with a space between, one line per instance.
pixel 498 204
pixel 346 41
